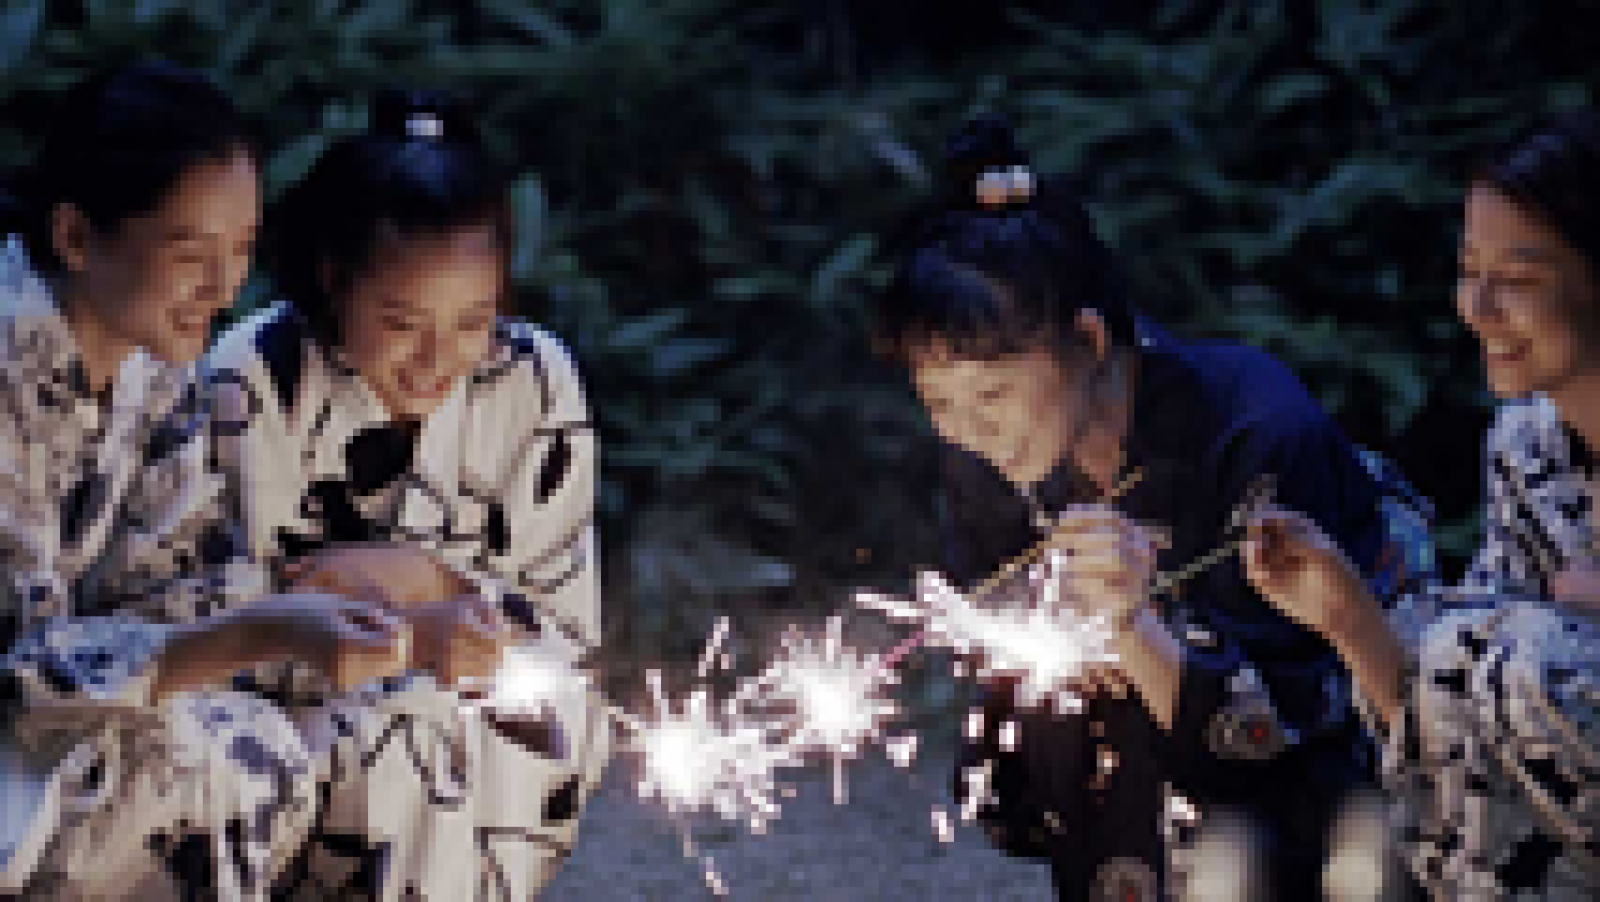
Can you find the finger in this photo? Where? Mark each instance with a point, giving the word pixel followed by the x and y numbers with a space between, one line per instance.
pixel 1076 521
pixel 466 667
pixel 490 613
pixel 381 623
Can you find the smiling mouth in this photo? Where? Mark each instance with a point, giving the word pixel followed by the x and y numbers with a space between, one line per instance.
pixel 1500 353
pixel 428 388
pixel 191 324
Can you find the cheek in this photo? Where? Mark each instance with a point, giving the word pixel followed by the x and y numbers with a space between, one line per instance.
pixel 1557 345
pixel 470 348
pixel 373 350
pixel 139 296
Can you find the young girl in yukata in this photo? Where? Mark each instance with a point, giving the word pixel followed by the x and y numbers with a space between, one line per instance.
pixel 122 606
pixel 1049 391
pixel 395 435
pixel 1493 718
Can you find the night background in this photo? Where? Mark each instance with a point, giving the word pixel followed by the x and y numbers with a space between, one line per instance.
pixel 707 186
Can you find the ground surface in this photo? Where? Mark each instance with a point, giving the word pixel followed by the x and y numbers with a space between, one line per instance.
pixel 879 846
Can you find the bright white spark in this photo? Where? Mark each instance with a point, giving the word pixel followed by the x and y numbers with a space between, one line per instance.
pixel 700 755
pixel 838 695
pixel 526 679
pixel 942 828
pixel 901 749
pixel 1029 635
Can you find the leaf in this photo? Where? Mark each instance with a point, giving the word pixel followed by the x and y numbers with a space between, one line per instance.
pixel 529 210
pixel 646 330
pixel 19 28
pixel 529 21
pixel 844 263
pixel 240 39
pixel 1285 91
pixel 291 163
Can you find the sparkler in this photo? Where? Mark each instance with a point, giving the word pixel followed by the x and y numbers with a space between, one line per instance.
pixel 1046 646
pixel 700 755
pixel 821 696
pixel 837 694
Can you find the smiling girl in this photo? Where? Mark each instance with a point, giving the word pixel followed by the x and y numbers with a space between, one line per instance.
pixel 122 608
pixel 1493 717
pixel 397 435
pixel 1049 391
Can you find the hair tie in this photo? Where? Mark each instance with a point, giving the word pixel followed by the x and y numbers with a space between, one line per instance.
pixel 424 125
pixel 1000 187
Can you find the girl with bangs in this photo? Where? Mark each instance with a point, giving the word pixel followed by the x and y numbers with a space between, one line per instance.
pixel 397 437
pixel 128 767
pixel 1050 392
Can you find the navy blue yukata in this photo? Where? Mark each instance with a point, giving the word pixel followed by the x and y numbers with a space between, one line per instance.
pixel 1265 724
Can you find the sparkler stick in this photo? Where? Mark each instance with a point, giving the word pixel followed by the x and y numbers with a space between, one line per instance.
pixel 1012 567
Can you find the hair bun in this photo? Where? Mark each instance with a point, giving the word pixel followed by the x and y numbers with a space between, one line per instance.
pixel 413 114
pixel 985 167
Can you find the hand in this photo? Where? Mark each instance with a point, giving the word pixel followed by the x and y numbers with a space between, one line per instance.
pixel 1301 572
pixel 350 640
pixel 1105 561
pixel 1578 586
pixel 402 576
pixel 459 640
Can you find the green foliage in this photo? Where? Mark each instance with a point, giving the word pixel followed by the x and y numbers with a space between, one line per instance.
pixel 704 195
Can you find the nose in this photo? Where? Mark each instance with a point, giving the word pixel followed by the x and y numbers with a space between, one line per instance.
pixel 426 353
pixel 1476 300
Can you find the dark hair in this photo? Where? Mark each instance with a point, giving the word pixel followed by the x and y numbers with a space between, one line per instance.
pixel 419 171
pixel 119 143
pixel 996 280
pixel 1554 172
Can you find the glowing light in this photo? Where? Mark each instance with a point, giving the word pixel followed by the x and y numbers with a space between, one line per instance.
pixel 835 693
pixel 703 756
pixel 1028 635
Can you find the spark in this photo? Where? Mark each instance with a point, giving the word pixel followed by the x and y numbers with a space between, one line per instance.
pixel 527 678
pixel 942 828
pixel 837 694
pixel 1030 635
pixel 902 749
pixel 700 755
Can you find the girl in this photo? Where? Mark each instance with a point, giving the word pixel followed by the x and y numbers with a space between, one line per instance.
pixel 1049 391
pixel 1493 717
pixel 132 230
pixel 393 431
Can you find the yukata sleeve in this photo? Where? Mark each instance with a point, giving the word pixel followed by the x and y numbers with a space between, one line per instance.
pixel 49 651
pixel 537 562
pixel 1259 694
pixel 1502 689
pixel 177 557
pixel 1504 567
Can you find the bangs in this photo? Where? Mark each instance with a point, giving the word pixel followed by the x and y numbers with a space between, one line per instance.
pixel 937 303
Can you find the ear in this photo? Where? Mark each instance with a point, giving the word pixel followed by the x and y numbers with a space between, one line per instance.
pixel 1092 326
pixel 71 235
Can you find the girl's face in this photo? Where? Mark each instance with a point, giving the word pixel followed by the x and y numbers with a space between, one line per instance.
pixel 1528 295
pixel 1015 411
pixel 158 280
pixel 422 317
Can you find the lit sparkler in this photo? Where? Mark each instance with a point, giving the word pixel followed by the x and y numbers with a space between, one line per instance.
pixel 837 694
pixel 1045 645
pixel 703 755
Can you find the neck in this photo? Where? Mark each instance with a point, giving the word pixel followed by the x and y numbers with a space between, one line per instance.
pixel 101 350
pixel 1578 399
